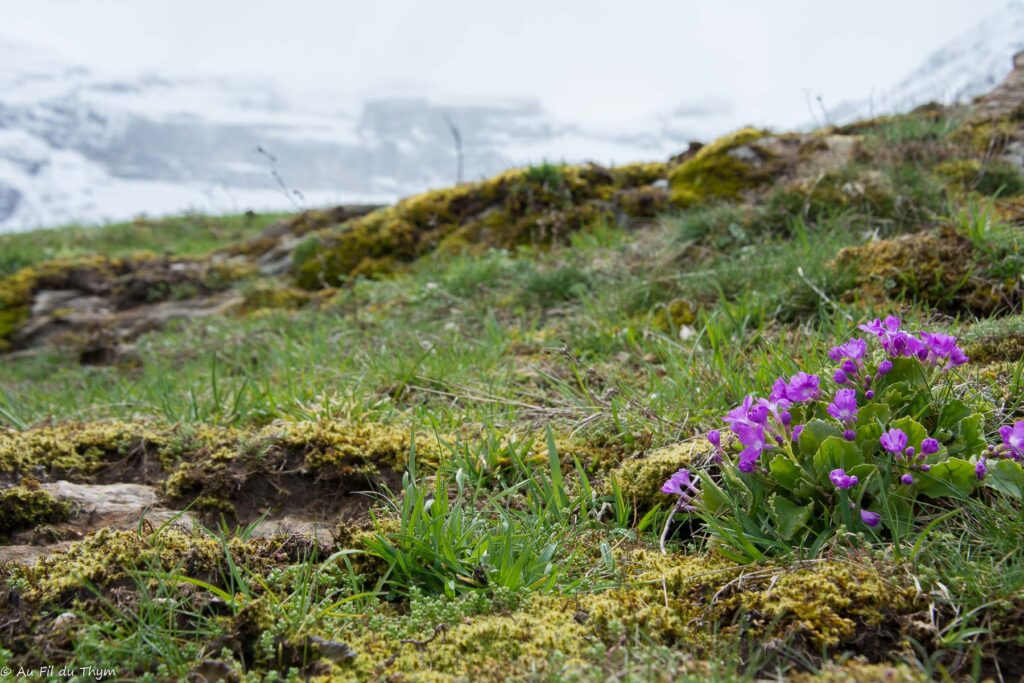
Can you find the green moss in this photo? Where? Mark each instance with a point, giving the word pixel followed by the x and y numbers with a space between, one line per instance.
pixel 719 171
pixel 680 599
pixel 675 314
pixel 107 557
pixel 494 647
pixel 860 671
pixel 23 507
pixel 140 279
pixel 995 340
pixel 273 295
pixel 989 178
pixel 940 268
pixel 72 448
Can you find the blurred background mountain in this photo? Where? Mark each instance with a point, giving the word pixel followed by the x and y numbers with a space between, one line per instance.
pixel 79 144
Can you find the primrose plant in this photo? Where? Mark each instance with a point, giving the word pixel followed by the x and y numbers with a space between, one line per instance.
pixel 871 446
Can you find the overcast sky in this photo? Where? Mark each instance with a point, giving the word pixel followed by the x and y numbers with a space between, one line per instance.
pixel 586 60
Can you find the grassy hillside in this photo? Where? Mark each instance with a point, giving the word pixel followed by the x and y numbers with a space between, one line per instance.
pixel 428 442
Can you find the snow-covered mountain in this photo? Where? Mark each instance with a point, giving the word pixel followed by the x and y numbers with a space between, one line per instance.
pixel 80 146
pixel 971 65
pixel 76 146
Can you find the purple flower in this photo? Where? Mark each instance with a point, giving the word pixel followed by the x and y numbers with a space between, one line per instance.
pixel 907 479
pixel 758 414
pixel 895 341
pixel 869 394
pixel 849 435
pixel 909 450
pixel 939 344
pixel 844 406
pixel 957 357
pixel 885 367
pixel 740 412
pixel 929 446
pixel 853 349
pixel 684 486
pixel 942 348
pixel 880 328
pixel 840 377
pixel 751 436
pixel 715 437
pixel 894 440
pixel 1013 439
pixel 849 367
pixel 802 387
pixel 841 480
pixel 778 390
pixel 980 469
pixel 797 430
pixel 870 518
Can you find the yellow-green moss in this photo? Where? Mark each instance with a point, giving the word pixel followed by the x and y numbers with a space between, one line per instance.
pixel 72 447
pixel 828 603
pixel 536 205
pixel 860 671
pixel 25 506
pixel 694 599
pixel 142 278
pixel 273 295
pixel 641 478
pixel 718 171
pixel 354 446
pixel 674 315
pixel 108 556
pixel 494 647
pixel 993 340
pixel 939 268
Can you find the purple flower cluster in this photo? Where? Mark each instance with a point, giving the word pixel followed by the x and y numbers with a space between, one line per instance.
pixel 841 480
pixel 1011 446
pixel 762 424
pixel 683 485
pixel 933 349
pixel 907 457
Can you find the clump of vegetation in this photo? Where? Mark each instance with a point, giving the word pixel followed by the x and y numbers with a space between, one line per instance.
pixel 806 462
pixel 27 505
pixel 537 205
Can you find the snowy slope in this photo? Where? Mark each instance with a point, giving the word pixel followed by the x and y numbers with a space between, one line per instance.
pixel 78 147
pixel 970 65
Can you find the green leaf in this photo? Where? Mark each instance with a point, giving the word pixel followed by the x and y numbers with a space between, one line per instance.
pixel 789 517
pixel 877 414
pixel 914 431
pixel 814 433
pixel 1007 477
pixel 971 438
pixel 871 422
pixel 836 452
pixel 712 497
pixel 785 471
pixel 952 414
pixel 904 370
pixel 951 478
pixel 737 485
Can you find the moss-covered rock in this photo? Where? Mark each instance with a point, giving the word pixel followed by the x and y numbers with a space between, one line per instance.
pixel 119 283
pixel 722 170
